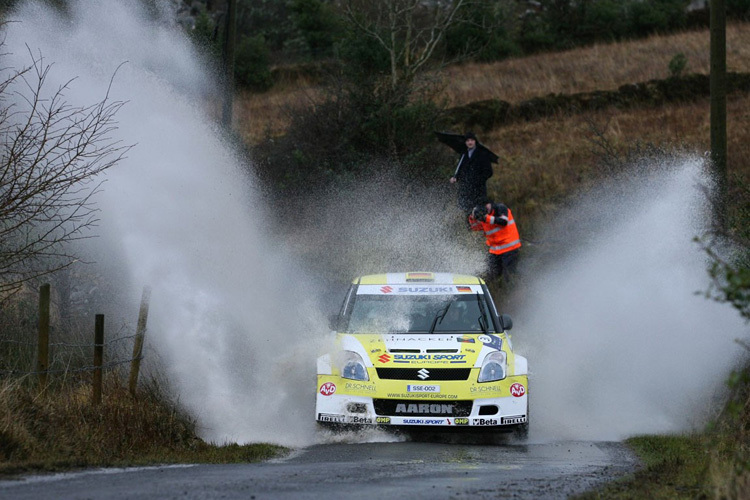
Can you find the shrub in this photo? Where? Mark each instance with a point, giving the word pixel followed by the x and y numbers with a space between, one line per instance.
pixel 602 20
pixel 677 65
pixel 317 24
pixel 483 34
pixel 739 9
pixel 252 63
pixel 362 57
pixel 657 16
pixel 537 35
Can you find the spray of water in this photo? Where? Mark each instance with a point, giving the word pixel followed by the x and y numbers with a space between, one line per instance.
pixel 617 341
pixel 180 215
pixel 234 319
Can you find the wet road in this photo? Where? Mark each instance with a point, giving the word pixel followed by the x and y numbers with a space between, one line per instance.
pixel 414 470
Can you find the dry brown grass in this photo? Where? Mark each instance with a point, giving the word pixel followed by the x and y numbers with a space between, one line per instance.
pixel 258 116
pixel 599 67
pixel 61 429
pixel 542 162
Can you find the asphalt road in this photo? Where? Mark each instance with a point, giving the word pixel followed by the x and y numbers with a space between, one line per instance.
pixel 413 470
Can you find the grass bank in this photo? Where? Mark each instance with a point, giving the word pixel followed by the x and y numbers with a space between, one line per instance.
pixel 714 463
pixel 705 465
pixel 61 430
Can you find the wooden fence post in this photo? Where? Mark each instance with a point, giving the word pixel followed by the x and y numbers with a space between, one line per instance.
pixel 140 333
pixel 98 357
pixel 42 359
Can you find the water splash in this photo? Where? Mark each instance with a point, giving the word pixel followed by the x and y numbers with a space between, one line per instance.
pixel 182 214
pixel 235 319
pixel 618 341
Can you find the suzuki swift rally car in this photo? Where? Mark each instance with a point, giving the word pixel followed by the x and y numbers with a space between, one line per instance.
pixel 422 349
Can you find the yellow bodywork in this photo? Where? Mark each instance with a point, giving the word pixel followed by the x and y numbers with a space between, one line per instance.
pixel 468 347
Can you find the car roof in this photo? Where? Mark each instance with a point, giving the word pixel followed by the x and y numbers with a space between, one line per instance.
pixel 418 277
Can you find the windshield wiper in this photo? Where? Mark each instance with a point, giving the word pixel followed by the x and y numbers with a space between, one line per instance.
pixel 483 311
pixel 439 317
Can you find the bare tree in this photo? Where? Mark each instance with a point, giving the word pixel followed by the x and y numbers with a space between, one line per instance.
pixel 408 30
pixel 51 155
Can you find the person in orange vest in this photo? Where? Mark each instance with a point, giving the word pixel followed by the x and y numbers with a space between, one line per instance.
pixel 501 232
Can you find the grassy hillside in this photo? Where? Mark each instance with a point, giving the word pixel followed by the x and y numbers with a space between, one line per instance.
pixel 545 160
pixel 598 67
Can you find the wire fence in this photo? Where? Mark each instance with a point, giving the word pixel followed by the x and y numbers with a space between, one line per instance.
pixel 71 350
pixel 73 356
pixel 66 344
pixel 104 366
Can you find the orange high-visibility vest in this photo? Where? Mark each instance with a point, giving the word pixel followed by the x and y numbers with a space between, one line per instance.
pixel 502 239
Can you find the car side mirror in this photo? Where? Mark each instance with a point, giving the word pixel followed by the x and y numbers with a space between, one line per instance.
pixel 506 322
pixel 333 322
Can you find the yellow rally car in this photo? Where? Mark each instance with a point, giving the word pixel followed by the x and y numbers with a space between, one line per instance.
pixel 422 349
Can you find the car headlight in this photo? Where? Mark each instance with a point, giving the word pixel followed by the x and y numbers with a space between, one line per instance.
pixel 494 367
pixel 352 366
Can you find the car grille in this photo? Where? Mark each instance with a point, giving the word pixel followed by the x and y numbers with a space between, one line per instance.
pixel 413 374
pixel 421 408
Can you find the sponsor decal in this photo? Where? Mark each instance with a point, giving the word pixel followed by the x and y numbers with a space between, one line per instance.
pixel 360 420
pixel 465 340
pixel 354 386
pixel 406 357
pixel 424 373
pixel 386 289
pixel 430 395
pixel 513 420
pixel 461 421
pixel 403 338
pixel 425 289
pixel 419 276
pixel 491 341
pixel 517 390
pixel 424 421
pixel 485 388
pixel 470 350
pixel 427 357
pixel 485 421
pixel 329 417
pixel 384 358
pixel 463 289
pixel 383 420
pixel 375 350
pixel 328 388
pixel 422 388
pixel 424 408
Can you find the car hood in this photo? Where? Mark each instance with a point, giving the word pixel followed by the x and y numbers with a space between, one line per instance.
pixel 437 350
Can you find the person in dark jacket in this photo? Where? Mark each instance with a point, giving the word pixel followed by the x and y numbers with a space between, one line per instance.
pixel 473 170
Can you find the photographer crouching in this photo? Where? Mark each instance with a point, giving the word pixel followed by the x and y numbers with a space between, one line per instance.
pixel 500 230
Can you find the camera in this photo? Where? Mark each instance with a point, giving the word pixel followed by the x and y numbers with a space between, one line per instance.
pixel 480 213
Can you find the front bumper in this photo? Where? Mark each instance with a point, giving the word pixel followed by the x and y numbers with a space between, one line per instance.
pixel 458 407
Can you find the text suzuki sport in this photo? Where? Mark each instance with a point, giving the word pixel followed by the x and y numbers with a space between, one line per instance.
pixel 422 350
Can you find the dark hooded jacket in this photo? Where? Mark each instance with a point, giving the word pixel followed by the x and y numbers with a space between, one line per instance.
pixel 472 178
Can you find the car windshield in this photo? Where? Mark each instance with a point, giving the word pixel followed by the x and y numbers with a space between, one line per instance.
pixel 418 313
